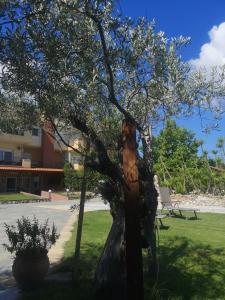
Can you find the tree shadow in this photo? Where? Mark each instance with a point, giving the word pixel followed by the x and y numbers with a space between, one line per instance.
pixel 84 287
pixel 184 217
pixel 188 271
pixel 164 227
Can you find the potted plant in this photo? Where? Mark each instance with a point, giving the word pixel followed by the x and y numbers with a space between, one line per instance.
pixel 30 241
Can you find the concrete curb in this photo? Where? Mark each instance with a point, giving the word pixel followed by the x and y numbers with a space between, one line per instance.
pixel 24 201
pixel 56 252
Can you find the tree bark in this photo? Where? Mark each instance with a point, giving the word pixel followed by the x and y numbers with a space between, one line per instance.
pixel 110 276
pixel 134 266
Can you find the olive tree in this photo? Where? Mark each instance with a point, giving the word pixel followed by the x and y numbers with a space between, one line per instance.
pixel 80 64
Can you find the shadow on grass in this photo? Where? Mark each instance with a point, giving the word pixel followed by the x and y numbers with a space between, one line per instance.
pixel 164 227
pixel 184 217
pixel 83 289
pixel 188 271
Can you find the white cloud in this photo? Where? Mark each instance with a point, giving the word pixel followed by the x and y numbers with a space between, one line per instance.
pixel 212 53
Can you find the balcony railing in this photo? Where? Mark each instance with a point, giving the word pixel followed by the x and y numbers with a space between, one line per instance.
pixel 34 163
pixel 12 162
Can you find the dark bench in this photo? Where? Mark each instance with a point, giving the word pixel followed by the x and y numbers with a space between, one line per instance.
pixel 160 217
pixel 172 209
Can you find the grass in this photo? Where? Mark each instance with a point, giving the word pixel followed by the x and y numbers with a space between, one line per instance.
pixel 14 196
pixel 191 260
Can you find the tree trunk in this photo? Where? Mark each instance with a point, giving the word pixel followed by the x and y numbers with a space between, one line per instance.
pixel 134 265
pixel 110 276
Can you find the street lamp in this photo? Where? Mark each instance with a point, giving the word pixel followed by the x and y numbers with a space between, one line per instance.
pixel 50 194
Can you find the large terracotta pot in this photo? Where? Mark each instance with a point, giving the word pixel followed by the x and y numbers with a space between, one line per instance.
pixel 30 271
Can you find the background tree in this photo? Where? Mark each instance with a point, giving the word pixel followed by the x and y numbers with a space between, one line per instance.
pixel 180 165
pixel 72 178
pixel 175 155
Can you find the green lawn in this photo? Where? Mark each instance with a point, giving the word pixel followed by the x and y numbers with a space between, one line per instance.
pixel 15 196
pixel 191 260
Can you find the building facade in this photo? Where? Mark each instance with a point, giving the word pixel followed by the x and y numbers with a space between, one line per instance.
pixel 32 161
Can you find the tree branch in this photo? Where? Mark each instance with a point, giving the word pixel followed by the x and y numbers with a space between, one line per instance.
pixel 109 71
pixel 62 139
pixel 104 164
pixel 112 98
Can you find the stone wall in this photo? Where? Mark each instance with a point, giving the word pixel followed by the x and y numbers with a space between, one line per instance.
pixel 199 200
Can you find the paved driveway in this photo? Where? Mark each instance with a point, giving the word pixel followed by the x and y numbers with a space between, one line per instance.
pixel 57 212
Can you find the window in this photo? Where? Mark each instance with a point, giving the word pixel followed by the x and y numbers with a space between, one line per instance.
pixel 6 155
pixel 35 132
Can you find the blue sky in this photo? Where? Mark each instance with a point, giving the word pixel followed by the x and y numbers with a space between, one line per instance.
pixel 194 19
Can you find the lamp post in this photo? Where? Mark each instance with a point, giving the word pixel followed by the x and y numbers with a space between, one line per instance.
pixel 50 194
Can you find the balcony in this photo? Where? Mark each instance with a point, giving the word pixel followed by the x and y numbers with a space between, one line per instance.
pixel 27 139
pixel 15 139
pixel 10 160
pixel 26 162
pixel 10 163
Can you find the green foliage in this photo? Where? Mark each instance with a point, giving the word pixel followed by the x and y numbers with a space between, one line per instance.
pixel 73 178
pixel 179 166
pixel 93 178
pixel 29 238
pixel 87 66
pixel 16 121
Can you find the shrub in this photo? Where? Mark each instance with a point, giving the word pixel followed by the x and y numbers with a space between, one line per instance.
pixel 29 238
pixel 73 178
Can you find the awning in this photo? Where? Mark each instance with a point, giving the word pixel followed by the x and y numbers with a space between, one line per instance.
pixel 25 169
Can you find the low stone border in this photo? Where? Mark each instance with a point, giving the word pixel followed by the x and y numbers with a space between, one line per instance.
pixel 199 200
pixel 24 201
pixel 56 253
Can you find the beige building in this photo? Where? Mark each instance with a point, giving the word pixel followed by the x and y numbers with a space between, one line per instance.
pixel 32 161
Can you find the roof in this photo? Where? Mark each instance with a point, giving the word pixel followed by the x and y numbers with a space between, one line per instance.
pixel 14 168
